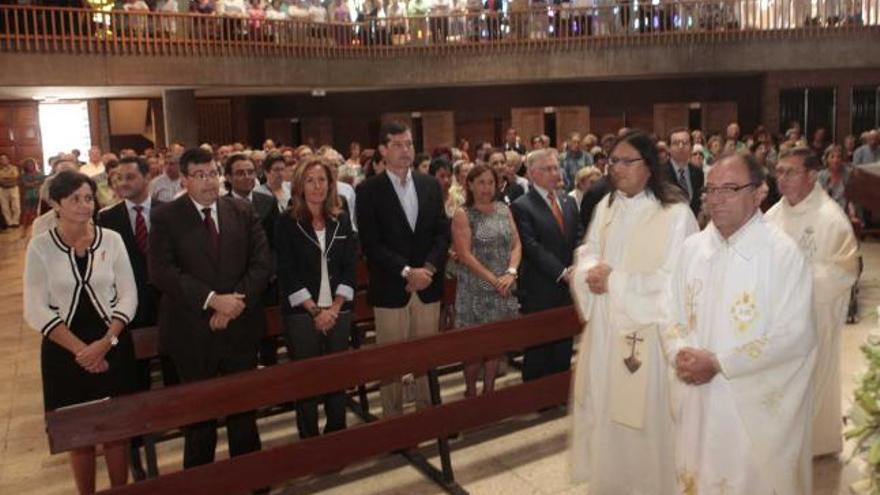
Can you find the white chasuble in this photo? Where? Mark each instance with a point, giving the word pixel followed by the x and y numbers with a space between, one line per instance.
pixel 747 299
pixel 621 437
pixel 824 234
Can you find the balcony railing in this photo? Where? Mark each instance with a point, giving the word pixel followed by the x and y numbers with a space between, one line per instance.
pixel 26 29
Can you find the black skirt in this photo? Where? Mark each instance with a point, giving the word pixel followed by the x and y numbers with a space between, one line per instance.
pixel 65 382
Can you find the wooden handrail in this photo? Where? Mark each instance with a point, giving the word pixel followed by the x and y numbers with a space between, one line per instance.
pixel 159 410
pixel 66 30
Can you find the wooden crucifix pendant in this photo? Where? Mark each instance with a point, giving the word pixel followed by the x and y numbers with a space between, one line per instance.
pixel 632 362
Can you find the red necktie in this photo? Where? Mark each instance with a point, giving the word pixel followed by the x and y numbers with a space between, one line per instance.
pixel 213 235
pixel 140 230
pixel 557 213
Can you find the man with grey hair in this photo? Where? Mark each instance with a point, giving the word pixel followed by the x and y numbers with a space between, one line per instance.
pixel 549 231
pixel 573 159
pixel 742 345
pixel 824 235
pixel 869 152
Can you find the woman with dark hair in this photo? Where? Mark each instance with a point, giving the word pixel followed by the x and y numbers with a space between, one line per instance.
pixel 487 244
pixel 422 163
pixel 441 169
pixel 80 293
pixel 619 285
pixel 373 164
pixel 316 253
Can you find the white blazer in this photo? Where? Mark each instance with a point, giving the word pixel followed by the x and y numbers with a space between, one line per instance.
pixel 53 285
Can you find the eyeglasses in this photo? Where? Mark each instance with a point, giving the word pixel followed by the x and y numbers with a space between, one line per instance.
pixel 787 173
pixel 616 160
pixel 725 192
pixel 204 175
pixel 682 143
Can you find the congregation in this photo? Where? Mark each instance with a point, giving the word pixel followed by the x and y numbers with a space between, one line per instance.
pixel 440 22
pixel 711 327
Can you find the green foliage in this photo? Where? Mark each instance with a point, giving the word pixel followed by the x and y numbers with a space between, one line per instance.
pixel 865 416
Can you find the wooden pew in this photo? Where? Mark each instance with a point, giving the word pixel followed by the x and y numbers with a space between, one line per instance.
pixel 138 414
pixel 863 189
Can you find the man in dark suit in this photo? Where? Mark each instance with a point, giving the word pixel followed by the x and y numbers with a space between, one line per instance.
pixel 241 173
pixel 591 198
pixel 404 234
pixel 549 230
pixel 681 173
pixel 130 218
pixel 210 260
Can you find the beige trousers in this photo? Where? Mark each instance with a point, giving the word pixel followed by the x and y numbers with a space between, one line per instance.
pixel 10 205
pixel 416 319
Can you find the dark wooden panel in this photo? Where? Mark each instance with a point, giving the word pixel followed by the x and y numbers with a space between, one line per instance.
pixel 7 113
pixel 26 135
pixel 215 120
pixel 6 136
pixel 26 114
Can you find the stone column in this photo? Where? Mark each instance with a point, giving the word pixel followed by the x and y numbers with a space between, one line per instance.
pixel 180 117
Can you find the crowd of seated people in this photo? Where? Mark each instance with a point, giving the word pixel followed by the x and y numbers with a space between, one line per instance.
pixel 201 240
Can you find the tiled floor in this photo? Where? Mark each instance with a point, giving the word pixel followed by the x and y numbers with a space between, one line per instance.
pixel 521 456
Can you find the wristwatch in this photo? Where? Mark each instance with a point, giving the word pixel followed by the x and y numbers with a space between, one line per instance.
pixel 512 271
pixel 113 339
pixel 405 272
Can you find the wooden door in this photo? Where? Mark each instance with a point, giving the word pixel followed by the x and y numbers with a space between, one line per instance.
pixel 438 130
pixel 215 120
pixel 20 131
pixel 717 115
pixel 317 131
pixel 668 116
pixel 528 122
pixel 571 119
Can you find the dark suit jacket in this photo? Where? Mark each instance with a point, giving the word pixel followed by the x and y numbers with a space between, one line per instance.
pixel 116 218
pixel 591 198
pixel 185 272
pixel 547 250
pixel 510 193
pixel 267 210
pixel 299 258
pixel 389 244
pixel 697 181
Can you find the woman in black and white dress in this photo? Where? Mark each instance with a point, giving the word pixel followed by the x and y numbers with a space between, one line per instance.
pixel 80 293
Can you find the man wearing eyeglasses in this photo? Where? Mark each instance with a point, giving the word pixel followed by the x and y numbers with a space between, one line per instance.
pixel 824 234
pixel 742 344
pixel 687 177
pixel 241 172
pixel 210 260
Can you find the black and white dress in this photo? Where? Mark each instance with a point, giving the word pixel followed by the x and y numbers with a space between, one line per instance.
pixel 85 293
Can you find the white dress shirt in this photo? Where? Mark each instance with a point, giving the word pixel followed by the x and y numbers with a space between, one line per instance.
pixel 406 193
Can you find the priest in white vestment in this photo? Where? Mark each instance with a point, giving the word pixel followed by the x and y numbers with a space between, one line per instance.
pixel 743 347
pixel 622 426
pixel 824 234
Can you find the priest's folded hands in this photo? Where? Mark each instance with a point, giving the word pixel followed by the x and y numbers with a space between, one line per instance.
pixel 696 366
pixel 597 278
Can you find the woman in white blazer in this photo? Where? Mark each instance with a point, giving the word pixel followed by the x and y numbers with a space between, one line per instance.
pixel 80 293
